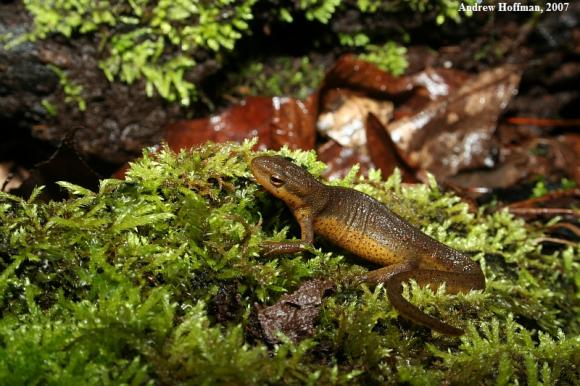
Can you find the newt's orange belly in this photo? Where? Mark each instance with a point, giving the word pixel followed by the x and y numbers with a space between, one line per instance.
pixel 360 243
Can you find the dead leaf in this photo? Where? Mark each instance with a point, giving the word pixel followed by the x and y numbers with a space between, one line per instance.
pixel 383 152
pixel 340 159
pixel 456 131
pixel 11 177
pixel 352 73
pixel 275 121
pixel 294 314
pixel 344 118
pixel 548 157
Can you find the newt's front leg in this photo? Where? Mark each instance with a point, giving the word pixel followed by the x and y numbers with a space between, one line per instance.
pixel 304 218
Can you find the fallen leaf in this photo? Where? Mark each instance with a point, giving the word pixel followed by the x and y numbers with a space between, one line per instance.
pixel 345 121
pixel 384 152
pixel 11 177
pixel 352 73
pixel 548 157
pixel 340 160
pixel 294 314
pixel 275 121
pixel 456 131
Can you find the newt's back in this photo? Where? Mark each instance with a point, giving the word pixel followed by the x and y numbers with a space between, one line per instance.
pixel 367 228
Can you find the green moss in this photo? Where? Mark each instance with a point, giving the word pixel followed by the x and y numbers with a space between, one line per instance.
pixel 324 10
pixel 152 40
pixel 117 286
pixel 161 41
pixel 390 57
pixel 282 76
pixel 542 187
pixel 321 10
pixel 72 91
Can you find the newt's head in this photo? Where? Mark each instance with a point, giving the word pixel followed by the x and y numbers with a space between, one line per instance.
pixel 284 179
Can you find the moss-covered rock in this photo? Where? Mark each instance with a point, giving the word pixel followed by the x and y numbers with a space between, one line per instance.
pixel 126 285
pixel 163 41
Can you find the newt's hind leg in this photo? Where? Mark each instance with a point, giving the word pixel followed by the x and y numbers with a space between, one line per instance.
pixel 384 274
pixel 456 282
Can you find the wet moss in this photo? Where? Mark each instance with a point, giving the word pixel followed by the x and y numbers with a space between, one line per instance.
pixel 163 42
pixel 124 285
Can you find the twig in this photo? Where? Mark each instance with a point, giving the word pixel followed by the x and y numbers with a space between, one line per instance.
pixel 571 227
pixel 547 197
pixel 544 211
pixel 544 122
pixel 555 240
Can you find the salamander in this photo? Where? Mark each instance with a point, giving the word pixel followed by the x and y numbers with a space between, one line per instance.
pixel 363 226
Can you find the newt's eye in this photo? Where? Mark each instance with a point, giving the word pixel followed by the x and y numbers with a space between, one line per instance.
pixel 276 181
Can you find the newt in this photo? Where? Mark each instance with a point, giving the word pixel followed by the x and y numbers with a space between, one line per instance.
pixel 365 227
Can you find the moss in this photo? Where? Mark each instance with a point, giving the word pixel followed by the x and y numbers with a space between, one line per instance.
pixel 152 40
pixel 73 92
pixel 543 187
pixel 117 286
pixel 282 76
pixel 163 41
pixel 389 57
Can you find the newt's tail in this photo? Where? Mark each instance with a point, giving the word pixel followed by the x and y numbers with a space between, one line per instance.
pixel 456 283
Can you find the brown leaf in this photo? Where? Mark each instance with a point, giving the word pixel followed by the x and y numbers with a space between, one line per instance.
pixel 294 314
pixel 383 151
pixel 275 121
pixel 567 155
pixel 549 157
pixel 340 159
pixel 343 118
pixel 439 82
pixel 352 73
pixel 456 131
pixel 11 176
pixel 445 119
